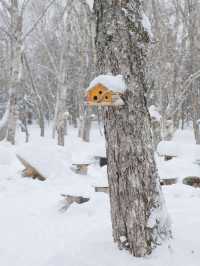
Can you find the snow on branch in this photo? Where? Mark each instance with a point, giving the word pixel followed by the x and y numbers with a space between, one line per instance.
pixel 185 91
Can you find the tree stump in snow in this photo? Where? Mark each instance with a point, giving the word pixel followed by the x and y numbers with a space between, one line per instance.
pixel 168 181
pixel 193 181
pixel 102 189
pixel 168 157
pixel 69 199
pixel 30 170
pixel 80 168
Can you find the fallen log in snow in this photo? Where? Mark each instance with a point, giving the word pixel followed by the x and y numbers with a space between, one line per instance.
pixel 30 170
pixel 69 199
pixel 193 181
pixel 168 181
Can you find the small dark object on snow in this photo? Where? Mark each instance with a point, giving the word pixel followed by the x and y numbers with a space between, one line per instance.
pixel 102 160
pixel 69 199
pixel 197 162
pixel 193 181
pixel 169 157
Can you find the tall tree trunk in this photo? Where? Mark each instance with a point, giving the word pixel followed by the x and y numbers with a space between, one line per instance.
pixel 74 110
pixel 192 31
pixel 139 218
pixel 41 119
pixel 60 115
pixel 38 99
pixel 16 46
pixel 87 122
pixel 4 124
pixel 195 112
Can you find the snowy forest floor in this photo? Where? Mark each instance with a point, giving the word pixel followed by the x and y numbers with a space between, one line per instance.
pixel 33 230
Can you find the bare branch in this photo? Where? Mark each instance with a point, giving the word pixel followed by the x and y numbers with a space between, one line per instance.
pixel 34 88
pixel 5 5
pixel 38 20
pixel 6 32
pixel 47 69
pixel 24 5
pixel 42 40
pixel 185 92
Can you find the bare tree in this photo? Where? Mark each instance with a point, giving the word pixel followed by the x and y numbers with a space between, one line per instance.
pixel 14 18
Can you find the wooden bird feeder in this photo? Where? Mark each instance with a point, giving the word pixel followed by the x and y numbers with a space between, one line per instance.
pixel 99 95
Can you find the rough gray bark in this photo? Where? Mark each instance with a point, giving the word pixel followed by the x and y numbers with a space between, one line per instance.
pixel 139 218
pixel 156 132
pixel 192 32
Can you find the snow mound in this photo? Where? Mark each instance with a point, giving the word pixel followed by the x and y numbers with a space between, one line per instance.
pixel 6 156
pixel 184 136
pixel 169 148
pixel 186 154
pixel 114 83
pixel 82 158
pixel 83 234
pixel 173 148
pixel 52 162
pixel 87 154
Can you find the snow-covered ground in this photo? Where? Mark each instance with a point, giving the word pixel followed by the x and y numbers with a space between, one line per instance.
pixel 33 230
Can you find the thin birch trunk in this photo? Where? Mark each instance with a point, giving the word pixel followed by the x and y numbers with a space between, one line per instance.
pixel 16 46
pixel 60 119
